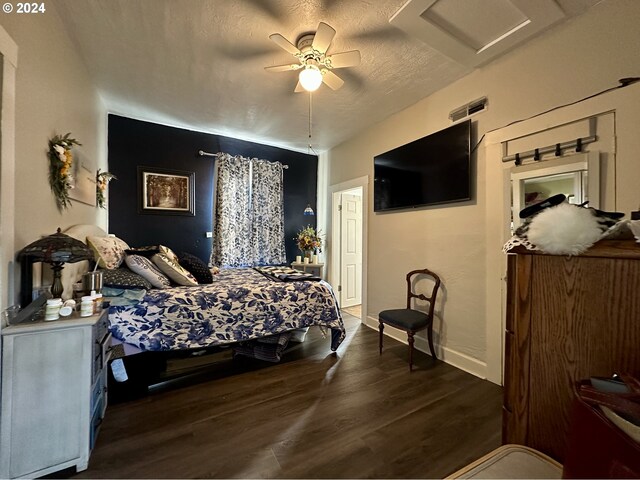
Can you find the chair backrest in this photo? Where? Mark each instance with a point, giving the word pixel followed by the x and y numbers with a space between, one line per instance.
pixel 431 298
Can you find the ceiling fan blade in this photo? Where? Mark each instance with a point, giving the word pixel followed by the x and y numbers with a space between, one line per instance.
pixel 284 43
pixel 283 68
pixel 323 37
pixel 343 59
pixel 299 88
pixel 333 81
pixel 267 8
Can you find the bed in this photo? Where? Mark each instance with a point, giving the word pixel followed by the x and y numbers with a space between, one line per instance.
pixel 240 305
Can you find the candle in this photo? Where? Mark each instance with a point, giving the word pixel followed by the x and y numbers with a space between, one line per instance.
pixel 298 259
pixel 306 259
pixel 314 259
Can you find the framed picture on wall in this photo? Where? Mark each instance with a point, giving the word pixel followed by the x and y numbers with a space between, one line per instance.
pixel 166 192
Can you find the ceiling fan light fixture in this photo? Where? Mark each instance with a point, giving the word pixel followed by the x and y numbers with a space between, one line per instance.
pixel 310 78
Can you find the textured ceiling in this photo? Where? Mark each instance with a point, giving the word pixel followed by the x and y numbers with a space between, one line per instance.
pixel 199 64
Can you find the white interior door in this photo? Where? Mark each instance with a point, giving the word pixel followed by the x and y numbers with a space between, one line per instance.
pixel 351 250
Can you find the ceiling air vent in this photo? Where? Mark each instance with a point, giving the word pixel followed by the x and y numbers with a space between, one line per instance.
pixel 469 109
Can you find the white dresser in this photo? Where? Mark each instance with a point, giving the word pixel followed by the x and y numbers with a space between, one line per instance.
pixel 54 394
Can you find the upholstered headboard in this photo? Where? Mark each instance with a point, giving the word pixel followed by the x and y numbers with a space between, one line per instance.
pixel 72 272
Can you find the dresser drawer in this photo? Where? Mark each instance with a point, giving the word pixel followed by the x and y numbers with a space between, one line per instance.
pixel 99 389
pixel 96 422
pixel 101 351
pixel 102 326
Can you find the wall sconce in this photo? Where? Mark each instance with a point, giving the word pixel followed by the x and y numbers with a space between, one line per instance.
pixel 308 210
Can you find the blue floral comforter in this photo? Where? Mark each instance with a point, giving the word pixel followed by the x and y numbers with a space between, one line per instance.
pixel 241 304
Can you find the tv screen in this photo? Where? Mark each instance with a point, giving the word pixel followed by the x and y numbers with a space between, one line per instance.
pixel 431 170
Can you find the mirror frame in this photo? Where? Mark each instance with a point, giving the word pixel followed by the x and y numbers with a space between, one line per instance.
pixel 588 162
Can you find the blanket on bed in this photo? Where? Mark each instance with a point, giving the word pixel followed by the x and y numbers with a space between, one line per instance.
pixel 286 274
pixel 240 304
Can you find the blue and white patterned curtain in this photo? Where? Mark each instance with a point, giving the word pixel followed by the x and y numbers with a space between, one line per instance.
pixel 232 212
pixel 267 205
pixel 249 213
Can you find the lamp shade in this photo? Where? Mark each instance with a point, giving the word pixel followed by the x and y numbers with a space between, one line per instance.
pixel 308 210
pixel 57 248
pixel 310 78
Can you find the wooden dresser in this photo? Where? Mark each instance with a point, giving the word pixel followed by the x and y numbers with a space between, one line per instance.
pixel 54 394
pixel 568 318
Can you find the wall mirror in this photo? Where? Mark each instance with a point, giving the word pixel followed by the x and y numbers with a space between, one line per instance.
pixel 576 176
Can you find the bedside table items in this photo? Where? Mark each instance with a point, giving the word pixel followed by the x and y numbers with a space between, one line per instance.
pixel 309 242
pixel 56 249
pixel 97 303
pixel 92 282
pixel 33 311
pixel 52 311
pixel 10 314
pixel 311 268
pixel 67 308
pixel 86 306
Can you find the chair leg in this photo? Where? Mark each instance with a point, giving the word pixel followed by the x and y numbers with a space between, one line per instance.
pixel 381 328
pixel 430 338
pixel 410 339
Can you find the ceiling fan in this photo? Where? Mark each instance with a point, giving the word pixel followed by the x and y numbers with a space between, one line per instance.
pixel 315 65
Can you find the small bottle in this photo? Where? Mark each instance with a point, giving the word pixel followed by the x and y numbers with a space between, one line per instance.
pixel 67 308
pixel 86 306
pixel 52 310
pixel 97 303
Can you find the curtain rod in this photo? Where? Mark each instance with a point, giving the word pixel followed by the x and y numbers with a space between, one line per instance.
pixel 202 153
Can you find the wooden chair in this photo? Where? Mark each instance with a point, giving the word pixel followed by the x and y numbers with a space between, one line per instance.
pixel 410 320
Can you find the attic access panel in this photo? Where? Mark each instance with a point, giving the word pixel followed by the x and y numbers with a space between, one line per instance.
pixel 475 32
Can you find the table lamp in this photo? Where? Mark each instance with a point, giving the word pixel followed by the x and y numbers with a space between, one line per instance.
pixel 56 249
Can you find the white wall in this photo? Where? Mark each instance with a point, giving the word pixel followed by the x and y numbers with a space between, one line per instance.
pixel 54 95
pixel 576 59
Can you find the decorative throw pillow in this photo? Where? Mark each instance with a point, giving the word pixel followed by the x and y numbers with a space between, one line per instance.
pixel 124 278
pixel 148 251
pixel 147 270
pixel 196 267
pixel 167 262
pixel 168 252
pixel 108 251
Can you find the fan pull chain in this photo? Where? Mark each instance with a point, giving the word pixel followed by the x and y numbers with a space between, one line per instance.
pixel 310 113
pixel 309 146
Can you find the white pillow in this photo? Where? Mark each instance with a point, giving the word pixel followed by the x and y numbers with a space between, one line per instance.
pixel 108 251
pixel 167 262
pixel 147 270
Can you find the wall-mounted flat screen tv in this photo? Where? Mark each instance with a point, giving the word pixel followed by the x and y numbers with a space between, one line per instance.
pixel 431 170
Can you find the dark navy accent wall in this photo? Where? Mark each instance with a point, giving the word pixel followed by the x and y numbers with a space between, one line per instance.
pixel 134 143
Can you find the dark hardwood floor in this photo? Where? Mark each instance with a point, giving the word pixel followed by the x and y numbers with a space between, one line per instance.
pixel 353 414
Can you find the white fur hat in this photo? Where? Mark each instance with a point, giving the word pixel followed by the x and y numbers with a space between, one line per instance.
pixel 567 229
